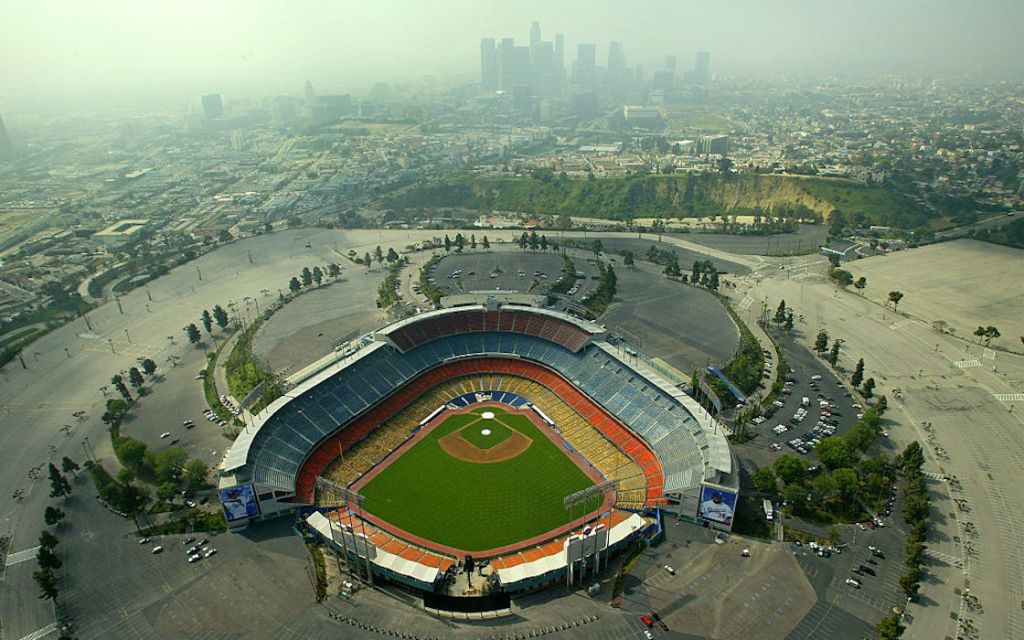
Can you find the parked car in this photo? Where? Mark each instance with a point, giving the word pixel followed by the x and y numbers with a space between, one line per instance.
pixel 853 583
pixel 143 540
pixel 647 621
pixel 157 549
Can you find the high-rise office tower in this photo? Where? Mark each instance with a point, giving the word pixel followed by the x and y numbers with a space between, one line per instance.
pixel 212 106
pixel 616 57
pixel 701 67
pixel 6 151
pixel 559 62
pixel 310 94
pixel 670 63
pixel 505 64
pixel 534 34
pixel 584 70
pixel 488 65
pixel 618 78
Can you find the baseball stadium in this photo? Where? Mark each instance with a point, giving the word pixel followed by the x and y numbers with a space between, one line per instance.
pixel 519 441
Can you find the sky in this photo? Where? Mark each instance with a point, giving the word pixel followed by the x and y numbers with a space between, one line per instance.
pixel 261 46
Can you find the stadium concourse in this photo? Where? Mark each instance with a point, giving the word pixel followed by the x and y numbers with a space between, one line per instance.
pixel 647 446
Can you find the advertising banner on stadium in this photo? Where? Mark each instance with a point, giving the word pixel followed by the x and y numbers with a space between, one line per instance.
pixel 717 504
pixel 239 502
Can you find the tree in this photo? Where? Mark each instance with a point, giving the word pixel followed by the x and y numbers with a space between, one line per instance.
pixel 834 452
pixel 318 275
pixel 48 559
pixel 564 221
pixel 894 298
pixel 52 516
pixel 460 242
pixel 860 284
pixel 543 243
pixel 67 465
pixel 59 486
pixel 486 243
pixel 869 387
pixel 788 325
pixel 790 468
pixel 366 259
pixel 447 244
pixel 167 463
pixel 889 628
pixel 841 277
pixel 795 494
pixel 780 313
pixel 858 373
pixel 118 381
pixel 846 482
pixel 881 405
pixel 167 491
pixel 192 331
pixel 988 333
pixel 307 277
pixel 125 476
pixel 725 166
pixel 116 409
pixel 378 255
pixel 135 377
pixel 910 582
pixel 629 261
pixel 207 320
pixel 472 241
pixel 821 342
pixel 294 285
pixel 221 316
pixel 131 452
pixel 833 355
pixel 333 270
pixel 48 540
pixel 148 367
pixel 196 471
pixel 393 255
pixel 47 583
pixel 764 480
pixel 823 486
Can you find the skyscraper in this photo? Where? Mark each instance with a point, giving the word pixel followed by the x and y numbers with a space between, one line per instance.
pixel 584 70
pixel 310 94
pixel 616 57
pixel 488 65
pixel 6 151
pixel 534 34
pixel 506 64
pixel 212 106
pixel 670 63
pixel 701 67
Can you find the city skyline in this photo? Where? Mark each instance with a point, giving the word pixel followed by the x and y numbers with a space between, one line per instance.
pixel 76 50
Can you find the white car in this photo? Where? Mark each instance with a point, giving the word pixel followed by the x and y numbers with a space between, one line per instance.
pixel 165 434
pixel 209 552
pixel 195 558
pixel 157 549
pixel 143 540
pixel 853 583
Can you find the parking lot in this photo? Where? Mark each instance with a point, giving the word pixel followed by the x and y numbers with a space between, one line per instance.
pixel 793 426
pixel 505 270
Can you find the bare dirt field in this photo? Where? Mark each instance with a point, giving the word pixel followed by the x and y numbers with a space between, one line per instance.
pixel 964 283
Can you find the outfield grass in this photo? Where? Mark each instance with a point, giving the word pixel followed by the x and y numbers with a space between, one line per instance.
pixel 473 506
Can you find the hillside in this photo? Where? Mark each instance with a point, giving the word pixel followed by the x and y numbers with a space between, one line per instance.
pixel 673 196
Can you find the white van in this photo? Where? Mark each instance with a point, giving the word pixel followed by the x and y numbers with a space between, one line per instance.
pixel 805 401
pixel 815 377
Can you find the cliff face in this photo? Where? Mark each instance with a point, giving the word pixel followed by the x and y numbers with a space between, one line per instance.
pixel 654 196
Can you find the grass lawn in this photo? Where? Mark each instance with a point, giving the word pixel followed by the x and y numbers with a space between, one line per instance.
pixel 474 506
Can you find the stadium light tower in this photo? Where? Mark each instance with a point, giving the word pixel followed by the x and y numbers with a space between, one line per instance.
pixel 582 497
pixel 337 496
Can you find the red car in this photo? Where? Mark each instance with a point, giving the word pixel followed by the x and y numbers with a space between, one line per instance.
pixel 871 525
pixel 647 621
